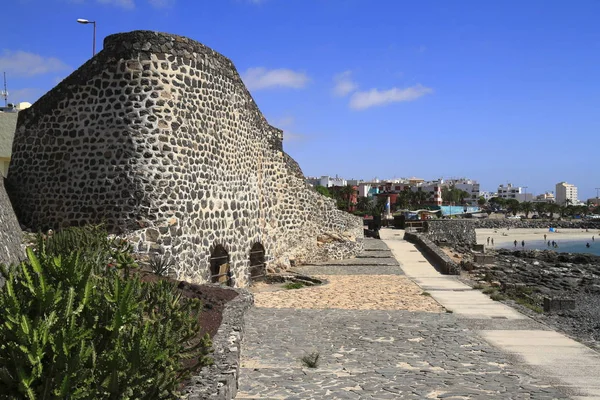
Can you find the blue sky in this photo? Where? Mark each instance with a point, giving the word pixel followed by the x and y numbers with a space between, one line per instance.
pixel 499 91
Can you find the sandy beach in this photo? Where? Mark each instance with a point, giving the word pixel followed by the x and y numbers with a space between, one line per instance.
pixel 504 236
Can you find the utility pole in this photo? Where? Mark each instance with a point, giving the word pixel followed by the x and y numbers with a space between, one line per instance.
pixel 597 189
pixel 4 93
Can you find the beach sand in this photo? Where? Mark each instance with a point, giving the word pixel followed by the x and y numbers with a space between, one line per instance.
pixel 353 292
pixel 503 236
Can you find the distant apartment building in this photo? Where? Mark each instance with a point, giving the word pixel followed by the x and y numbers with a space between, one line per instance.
pixel 468 185
pixel 327 181
pixel 514 192
pixel 394 187
pixel 545 198
pixel 566 191
pixel 487 195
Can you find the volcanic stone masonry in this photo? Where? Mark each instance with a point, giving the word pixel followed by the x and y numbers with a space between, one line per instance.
pixel 10 231
pixel 157 137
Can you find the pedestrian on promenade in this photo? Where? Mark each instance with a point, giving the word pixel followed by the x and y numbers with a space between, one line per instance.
pixel 523 243
pixel 515 243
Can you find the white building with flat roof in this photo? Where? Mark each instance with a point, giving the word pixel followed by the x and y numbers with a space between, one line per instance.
pixel 566 191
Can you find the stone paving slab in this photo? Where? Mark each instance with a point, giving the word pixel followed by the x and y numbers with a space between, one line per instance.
pixel 359 261
pixel 349 270
pixel 375 355
pixel 376 254
pixel 371 244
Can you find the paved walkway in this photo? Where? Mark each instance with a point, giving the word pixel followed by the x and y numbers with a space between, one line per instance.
pixel 381 354
pixel 570 365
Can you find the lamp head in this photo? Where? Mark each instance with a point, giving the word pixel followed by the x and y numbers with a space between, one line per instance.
pixel 83 21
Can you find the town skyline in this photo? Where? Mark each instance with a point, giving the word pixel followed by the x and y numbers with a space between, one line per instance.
pixel 507 90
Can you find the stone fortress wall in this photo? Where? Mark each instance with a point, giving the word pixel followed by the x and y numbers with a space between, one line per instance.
pixel 11 235
pixel 158 138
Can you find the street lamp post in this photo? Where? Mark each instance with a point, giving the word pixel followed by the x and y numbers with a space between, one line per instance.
pixel 525 187
pixel 85 22
pixel 597 204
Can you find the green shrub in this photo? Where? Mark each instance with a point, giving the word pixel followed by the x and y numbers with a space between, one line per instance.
pixel 497 297
pixel 161 265
pixel 293 285
pixel 76 325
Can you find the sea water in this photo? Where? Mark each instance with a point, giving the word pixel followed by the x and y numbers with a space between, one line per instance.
pixel 564 246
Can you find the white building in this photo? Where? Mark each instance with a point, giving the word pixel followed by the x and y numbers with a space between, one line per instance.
pixel 545 198
pixel 514 192
pixel 326 181
pixel 468 185
pixel 566 191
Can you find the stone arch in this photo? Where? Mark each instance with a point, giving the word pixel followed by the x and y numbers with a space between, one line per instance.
pixel 258 267
pixel 220 268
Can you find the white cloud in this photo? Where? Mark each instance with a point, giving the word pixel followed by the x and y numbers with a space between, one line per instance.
pixel 22 63
pixel 374 97
pixel 262 78
pixel 127 4
pixel 344 84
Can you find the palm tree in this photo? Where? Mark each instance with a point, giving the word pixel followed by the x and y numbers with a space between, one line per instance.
pixel 553 208
pixel 363 203
pixel 347 193
pixel 513 206
pixel 541 208
pixel 526 207
pixel 481 202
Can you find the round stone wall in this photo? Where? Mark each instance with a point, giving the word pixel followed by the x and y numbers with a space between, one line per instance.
pixel 158 138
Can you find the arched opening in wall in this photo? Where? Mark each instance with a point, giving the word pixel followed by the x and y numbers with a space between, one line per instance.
pixel 258 267
pixel 220 270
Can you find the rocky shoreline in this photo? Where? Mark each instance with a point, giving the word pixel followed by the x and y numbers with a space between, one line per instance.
pixel 525 278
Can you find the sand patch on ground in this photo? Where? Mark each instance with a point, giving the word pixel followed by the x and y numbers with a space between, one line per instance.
pixel 353 292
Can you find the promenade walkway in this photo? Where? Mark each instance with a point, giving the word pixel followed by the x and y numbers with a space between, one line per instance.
pixel 373 348
pixel 571 366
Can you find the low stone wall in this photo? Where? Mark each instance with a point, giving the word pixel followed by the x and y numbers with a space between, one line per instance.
pixel 220 380
pixel 443 262
pixel 461 232
pixel 11 235
pixel 451 231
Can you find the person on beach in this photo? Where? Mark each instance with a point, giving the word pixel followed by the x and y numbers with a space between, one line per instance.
pixel 515 243
pixel 488 241
pixel 593 239
pixel 544 236
pixel 523 243
pixel 492 241
pixel 548 243
pixel 587 245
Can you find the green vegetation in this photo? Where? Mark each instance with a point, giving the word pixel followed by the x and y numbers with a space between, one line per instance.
pixel 489 290
pixel 497 296
pixel 479 286
pixel 160 265
pixel 426 294
pixel 78 324
pixel 454 195
pixel 293 285
pixel 311 360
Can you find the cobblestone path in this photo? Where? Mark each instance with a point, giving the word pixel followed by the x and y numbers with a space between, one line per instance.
pixel 376 354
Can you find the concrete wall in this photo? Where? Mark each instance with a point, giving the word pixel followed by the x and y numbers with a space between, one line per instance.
pixel 158 137
pixel 439 259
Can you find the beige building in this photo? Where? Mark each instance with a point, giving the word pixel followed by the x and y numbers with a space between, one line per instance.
pixel 566 191
pixel 8 124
